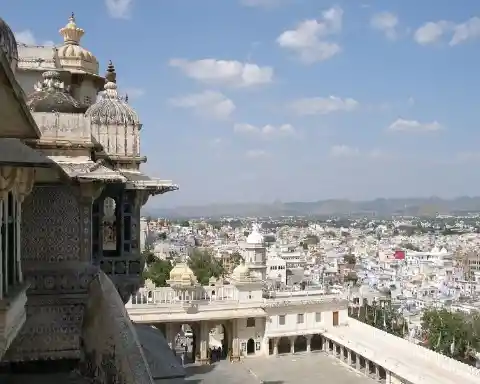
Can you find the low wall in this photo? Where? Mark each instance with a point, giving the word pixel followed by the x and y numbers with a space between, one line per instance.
pixel 443 361
pixel 111 350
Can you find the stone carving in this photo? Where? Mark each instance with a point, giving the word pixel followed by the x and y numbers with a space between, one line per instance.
pixel 50 226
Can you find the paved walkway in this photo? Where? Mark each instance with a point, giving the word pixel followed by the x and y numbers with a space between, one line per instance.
pixel 289 369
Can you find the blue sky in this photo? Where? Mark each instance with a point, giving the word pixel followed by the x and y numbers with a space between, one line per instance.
pixel 258 100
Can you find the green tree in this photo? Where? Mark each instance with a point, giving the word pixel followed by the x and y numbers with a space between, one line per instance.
pixel 236 258
pixel 204 265
pixel 159 272
pixel 454 334
pixel 185 223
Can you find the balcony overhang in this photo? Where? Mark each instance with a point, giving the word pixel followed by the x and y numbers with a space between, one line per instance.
pixel 17 121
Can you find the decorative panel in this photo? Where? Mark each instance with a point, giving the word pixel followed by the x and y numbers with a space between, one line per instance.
pixel 50 226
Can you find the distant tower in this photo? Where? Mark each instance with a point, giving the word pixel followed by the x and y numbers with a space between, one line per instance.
pixel 255 253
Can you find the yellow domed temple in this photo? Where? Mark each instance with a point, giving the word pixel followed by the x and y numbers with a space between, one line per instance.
pixel 71 190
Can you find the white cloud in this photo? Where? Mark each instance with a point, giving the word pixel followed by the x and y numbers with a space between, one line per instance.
pixel 402 125
pixel 28 38
pixel 210 104
pixel 308 40
pixel 225 72
pixel 466 31
pixel 323 105
pixel 343 151
pixel 119 9
pixel 256 153
pixel 387 23
pixel 432 32
pixel 267 131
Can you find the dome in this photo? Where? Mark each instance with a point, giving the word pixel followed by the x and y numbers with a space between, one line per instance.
pixel 181 273
pixel 255 237
pixel 50 95
pixel 9 44
pixel 71 54
pixel 110 108
pixel 241 272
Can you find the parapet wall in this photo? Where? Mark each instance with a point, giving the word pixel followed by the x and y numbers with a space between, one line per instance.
pixel 443 361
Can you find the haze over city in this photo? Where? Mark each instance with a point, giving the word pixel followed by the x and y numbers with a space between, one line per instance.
pixel 296 100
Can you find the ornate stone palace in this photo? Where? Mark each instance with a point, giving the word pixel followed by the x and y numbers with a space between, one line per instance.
pixel 71 190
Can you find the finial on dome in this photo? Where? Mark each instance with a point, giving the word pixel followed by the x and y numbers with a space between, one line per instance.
pixel 126 97
pixel 71 33
pixel 111 75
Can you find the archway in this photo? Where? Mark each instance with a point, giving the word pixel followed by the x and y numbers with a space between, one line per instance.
pixel 300 344
pixel 250 347
pixel 186 343
pixel 316 343
pixel 284 345
pixel 218 342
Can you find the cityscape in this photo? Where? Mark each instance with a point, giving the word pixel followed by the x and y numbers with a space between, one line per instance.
pixel 101 282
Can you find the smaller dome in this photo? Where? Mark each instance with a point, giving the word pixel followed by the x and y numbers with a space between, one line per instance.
pixel 110 108
pixel 9 44
pixel 181 272
pixel 71 54
pixel 50 95
pixel 241 272
pixel 255 237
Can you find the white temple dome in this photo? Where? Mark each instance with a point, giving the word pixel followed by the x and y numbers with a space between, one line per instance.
pixel 241 272
pixel 71 54
pixel 255 237
pixel 110 108
pixel 8 44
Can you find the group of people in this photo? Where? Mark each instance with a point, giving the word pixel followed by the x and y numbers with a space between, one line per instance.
pixel 215 354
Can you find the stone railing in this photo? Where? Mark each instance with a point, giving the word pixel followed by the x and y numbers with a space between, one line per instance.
pixel 112 352
pixel 443 361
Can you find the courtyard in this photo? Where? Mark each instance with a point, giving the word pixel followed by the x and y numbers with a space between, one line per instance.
pixel 288 369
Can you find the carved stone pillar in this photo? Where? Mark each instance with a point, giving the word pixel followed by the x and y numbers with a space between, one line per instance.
pixel 309 343
pixel 86 195
pixel 292 344
pixel 235 342
pixel 275 346
pixel 204 338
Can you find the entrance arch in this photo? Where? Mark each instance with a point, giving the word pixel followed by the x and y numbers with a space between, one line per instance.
pixel 250 347
pixel 218 341
pixel 186 342
pixel 316 343
pixel 300 344
pixel 284 345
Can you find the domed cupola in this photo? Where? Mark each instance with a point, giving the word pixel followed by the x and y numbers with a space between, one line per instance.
pixel 115 124
pixel 71 55
pixel 9 44
pixel 50 95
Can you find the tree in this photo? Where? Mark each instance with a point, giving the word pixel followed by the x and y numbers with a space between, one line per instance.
pixel 185 223
pixel 204 265
pixel 159 272
pixel 454 334
pixel 236 258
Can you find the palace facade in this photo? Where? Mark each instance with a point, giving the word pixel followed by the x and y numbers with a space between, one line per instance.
pixel 71 190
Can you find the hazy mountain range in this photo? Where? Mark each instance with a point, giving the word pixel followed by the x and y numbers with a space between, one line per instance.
pixel 425 207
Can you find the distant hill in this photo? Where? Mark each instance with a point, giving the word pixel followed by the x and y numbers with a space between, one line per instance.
pixel 425 207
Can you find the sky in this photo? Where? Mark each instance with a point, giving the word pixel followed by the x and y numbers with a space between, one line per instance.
pixel 289 100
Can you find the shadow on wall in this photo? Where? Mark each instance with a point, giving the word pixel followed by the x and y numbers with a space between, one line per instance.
pixel 111 350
